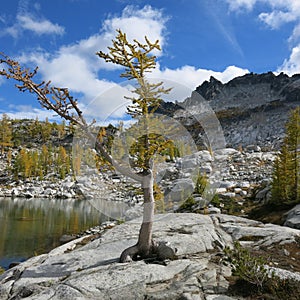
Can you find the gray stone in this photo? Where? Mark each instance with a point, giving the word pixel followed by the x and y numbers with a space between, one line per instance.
pixel 263 195
pixel 180 190
pixel 92 271
pixel 227 184
pixel 220 297
pixel 189 163
pixel 244 185
pixel 214 210
pixel 221 190
pixel 225 151
pixel 293 217
pixel 267 234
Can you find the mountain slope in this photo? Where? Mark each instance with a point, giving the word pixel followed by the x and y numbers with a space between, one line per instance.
pixel 252 109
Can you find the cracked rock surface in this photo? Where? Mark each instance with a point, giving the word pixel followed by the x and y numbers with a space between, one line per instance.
pixel 84 269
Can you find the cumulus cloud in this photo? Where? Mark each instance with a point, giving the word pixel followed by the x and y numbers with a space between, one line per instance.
pixel 28 22
pixel 139 23
pixel 39 27
pixel 77 67
pixel 192 77
pixel 275 19
pixel 291 65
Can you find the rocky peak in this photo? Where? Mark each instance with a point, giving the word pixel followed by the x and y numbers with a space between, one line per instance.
pixel 209 89
pixel 250 90
pixel 252 108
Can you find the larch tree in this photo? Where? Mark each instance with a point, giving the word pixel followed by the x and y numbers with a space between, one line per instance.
pixel 5 133
pixel 286 174
pixel 137 59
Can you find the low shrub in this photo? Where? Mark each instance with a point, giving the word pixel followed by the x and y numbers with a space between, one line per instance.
pixel 251 277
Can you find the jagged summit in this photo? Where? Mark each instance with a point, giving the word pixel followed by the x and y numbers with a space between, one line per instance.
pixel 251 90
pixel 252 108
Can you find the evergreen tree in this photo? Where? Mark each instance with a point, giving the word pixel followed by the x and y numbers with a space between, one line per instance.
pixel 286 174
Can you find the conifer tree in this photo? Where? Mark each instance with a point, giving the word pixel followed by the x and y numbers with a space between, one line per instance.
pixel 286 173
pixel 137 59
pixel 46 129
pixel 35 128
pixel 45 160
pixel 5 133
pixel 62 162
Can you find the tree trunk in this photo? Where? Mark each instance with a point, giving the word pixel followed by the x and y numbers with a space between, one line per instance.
pixel 144 246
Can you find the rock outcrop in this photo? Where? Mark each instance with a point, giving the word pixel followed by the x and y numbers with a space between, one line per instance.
pixel 89 269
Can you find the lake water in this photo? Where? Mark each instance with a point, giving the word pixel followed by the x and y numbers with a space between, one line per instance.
pixel 30 227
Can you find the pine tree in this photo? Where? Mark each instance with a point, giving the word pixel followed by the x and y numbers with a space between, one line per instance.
pixel 61 129
pixel 286 173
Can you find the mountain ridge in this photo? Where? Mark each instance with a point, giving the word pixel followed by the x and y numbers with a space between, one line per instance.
pixel 252 109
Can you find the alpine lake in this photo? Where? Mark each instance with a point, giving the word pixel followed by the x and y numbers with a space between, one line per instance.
pixel 30 227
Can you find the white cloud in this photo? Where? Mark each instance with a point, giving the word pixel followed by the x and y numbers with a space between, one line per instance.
pixel 192 77
pixel 138 23
pixel 235 5
pixel 109 104
pixel 276 18
pixel 280 11
pixel 295 35
pixel 29 112
pixel 31 21
pixel 76 66
pixel 39 27
pixel 291 65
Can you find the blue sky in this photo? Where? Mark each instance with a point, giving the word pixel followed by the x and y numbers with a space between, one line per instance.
pixel 199 39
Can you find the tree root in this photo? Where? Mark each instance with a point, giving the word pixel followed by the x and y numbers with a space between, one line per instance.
pixel 159 251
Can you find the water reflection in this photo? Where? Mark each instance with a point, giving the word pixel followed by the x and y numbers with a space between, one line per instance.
pixel 33 226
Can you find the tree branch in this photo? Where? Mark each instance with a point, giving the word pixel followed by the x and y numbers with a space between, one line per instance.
pixel 60 101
